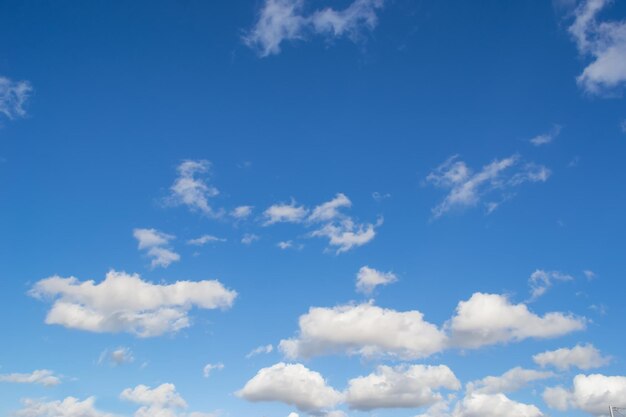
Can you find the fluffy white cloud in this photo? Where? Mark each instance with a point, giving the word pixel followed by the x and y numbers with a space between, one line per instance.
pixel 284 20
pixel 364 329
pixel 161 401
pixel 69 407
pixel 285 244
pixel 284 213
pixel 292 384
pixel 467 188
pixel 581 356
pixel 590 393
pixel 330 210
pixel 126 303
pixel 548 137
pixel 204 239
pixel 605 42
pixel 209 367
pixel 260 350
pixel 541 280
pixel 486 319
pixel 512 380
pixel 493 405
pixel 400 387
pixel 241 212
pixel 369 278
pixel 117 357
pixel 155 244
pixel 40 376
pixel 345 234
pixel 191 190
pixel 13 97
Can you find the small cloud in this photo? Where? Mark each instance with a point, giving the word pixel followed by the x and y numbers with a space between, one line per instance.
pixel 241 212
pixel 541 280
pixel 120 356
pixel 548 137
pixel 589 274
pixel 380 196
pixel 601 309
pixel 369 278
pixel 41 376
pixel 285 244
pixel 249 238
pixel 204 239
pixel 209 367
pixel 284 213
pixel 13 97
pixel 260 350
pixel 155 243
pixel 191 189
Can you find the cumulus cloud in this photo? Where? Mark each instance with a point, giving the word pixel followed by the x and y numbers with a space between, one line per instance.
pixel 605 43
pixel 512 380
pixel 346 234
pixel 493 405
pixel 286 20
pixel 117 357
pixel 468 188
pixel 13 97
pixel 369 278
pixel 40 376
pixel 210 367
pixel 204 239
pixel 400 387
pixel 286 244
pixel 366 330
pixel 241 212
pixel 292 384
pixel 191 189
pixel 590 393
pixel 161 401
pixel 126 303
pixel 541 280
pixel 284 213
pixel 260 350
pixel 330 209
pixel 548 137
pixel 580 356
pixel 155 244
pixel 69 407
pixel 487 319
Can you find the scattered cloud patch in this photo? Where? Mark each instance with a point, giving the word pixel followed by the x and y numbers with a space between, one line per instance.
pixel 192 189
pixel 13 97
pixel 249 238
pixel 242 212
pixel 40 376
pixel 541 280
pixel 69 407
pixel 204 239
pixel 467 188
pixel 590 393
pixel 493 405
pixel 330 210
pixel 260 351
pixel 380 196
pixel 285 20
pixel 511 381
pixel 400 387
pixel 285 244
pixel 584 357
pixel 548 137
pixel 126 303
pixel 284 213
pixel 605 43
pixel 161 401
pixel 210 367
pixel 589 274
pixel 292 384
pixel 156 244
pixel 120 356
pixel 367 279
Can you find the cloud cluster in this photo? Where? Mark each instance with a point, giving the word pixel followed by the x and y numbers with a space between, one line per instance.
pixel 210 367
pixel 369 278
pixel 512 380
pixel 580 356
pixel 126 303
pixel 286 20
pixel 541 280
pixel 369 330
pixel 40 376
pixel 590 393
pixel 191 189
pixel 156 245
pixel 116 357
pixel 605 43
pixel 467 188
pixel 69 407
pixel 13 97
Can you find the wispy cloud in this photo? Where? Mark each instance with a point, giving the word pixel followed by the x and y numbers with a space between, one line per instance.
pixel 210 367
pixel 191 187
pixel 540 281
pixel 155 244
pixel 13 97
pixel 249 238
pixel 41 376
pixel 260 350
pixel 286 20
pixel 547 137
pixel 204 239
pixel 116 357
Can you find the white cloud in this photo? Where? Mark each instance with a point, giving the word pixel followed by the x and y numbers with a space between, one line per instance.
pixel 364 329
pixel 284 20
pixel 126 303
pixel 241 212
pixel 40 376
pixel 466 188
pixel 285 244
pixel 292 384
pixel 493 405
pixel 13 97
pixel 117 357
pixel 249 238
pixel 605 43
pixel 204 239
pixel 590 393
pixel 487 319
pixel 369 278
pixel 345 234
pixel 191 190
pixel 330 210
pixel 541 280
pixel 284 213
pixel 161 401
pixel 581 356
pixel 69 407
pixel 155 243
pixel 548 137
pixel 512 380
pixel 260 350
pixel 380 196
pixel 589 274
pixel 209 367
pixel 400 387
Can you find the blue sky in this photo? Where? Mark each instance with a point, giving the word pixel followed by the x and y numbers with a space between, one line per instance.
pixel 325 208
